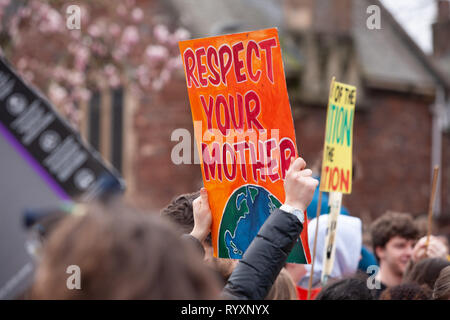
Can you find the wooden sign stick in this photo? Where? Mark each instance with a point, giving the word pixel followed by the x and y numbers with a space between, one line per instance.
pixel 315 245
pixel 431 205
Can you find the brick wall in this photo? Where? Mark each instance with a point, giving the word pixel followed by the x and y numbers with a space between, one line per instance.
pixel 392 146
pixel 157 179
pixel 445 172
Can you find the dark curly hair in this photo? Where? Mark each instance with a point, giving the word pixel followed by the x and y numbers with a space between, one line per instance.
pixel 349 288
pixel 392 224
pixel 179 211
pixel 426 271
pixel 406 291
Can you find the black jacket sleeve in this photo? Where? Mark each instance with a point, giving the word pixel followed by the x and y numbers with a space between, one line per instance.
pixel 255 274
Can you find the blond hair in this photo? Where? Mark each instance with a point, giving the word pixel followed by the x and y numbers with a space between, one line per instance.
pixel 283 288
pixel 442 285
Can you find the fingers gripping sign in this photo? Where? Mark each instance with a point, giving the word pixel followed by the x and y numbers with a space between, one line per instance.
pixel 202 216
pixel 299 184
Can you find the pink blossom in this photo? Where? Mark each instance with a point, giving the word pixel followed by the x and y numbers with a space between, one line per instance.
pixel 99 49
pixel 181 34
pixel 110 70
pixel 54 21
pixel 165 75
pixel 142 75
pixel 161 33
pixel 29 76
pixel 130 3
pixel 137 14
pixel 157 84
pixel 114 81
pixel 130 35
pixel 75 34
pixel 24 12
pixel 114 30
pixel 156 53
pixel 82 94
pixel 84 14
pixel 57 93
pixel 75 78
pixel 121 10
pixel 82 55
pixel 94 31
pixel 59 72
pixel 22 64
pixel 174 63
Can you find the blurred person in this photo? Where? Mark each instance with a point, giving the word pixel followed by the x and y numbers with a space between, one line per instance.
pixel 406 291
pixel 348 242
pixel 422 225
pixel 393 237
pixel 351 288
pixel 122 254
pixel 261 263
pixel 441 289
pixel 283 287
pixel 297 272
pixel 436 248
pixel 444 240
pixel 180 211
pixel 426 271
pixel 254 275
pixel 127 255
pixel 256 272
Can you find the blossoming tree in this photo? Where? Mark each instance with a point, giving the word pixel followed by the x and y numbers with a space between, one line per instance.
pixel 115 45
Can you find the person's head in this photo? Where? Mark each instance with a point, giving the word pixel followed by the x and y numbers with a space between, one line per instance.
pixel 426 271
pixel 352 288
pixel 406 291
pixel 348 242
pixel 283 288
pixel 180 212
pixel 393 236
pixel 441 289
pixel 121 254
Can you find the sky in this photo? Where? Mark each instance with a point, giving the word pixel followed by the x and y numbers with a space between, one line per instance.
pixel 416 16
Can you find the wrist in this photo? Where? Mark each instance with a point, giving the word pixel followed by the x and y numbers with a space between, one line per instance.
pixel 295 204
pixel 199 235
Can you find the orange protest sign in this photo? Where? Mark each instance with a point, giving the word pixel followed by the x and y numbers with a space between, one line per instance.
pixel 244 132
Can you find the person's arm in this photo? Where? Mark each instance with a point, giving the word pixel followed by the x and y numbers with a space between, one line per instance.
pixel 256 272
pixel 435 249
pixel 202 222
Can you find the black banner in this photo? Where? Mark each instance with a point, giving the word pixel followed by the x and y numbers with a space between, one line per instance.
pixel 30 123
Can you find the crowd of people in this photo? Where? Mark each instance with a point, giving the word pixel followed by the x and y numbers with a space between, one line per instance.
pixel 126 254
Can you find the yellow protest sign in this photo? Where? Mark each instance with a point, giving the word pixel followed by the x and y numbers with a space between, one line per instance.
pixel 337 151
